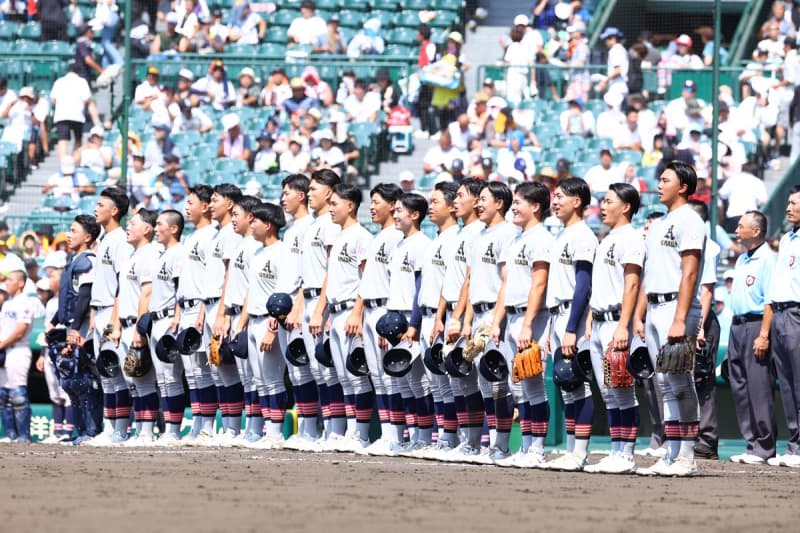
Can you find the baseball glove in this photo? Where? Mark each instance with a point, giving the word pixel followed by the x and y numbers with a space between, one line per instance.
pixel 527 363
pixel 477 343
pixel 615 371
pixel 676 357
pixel 213 352
pixel 137 362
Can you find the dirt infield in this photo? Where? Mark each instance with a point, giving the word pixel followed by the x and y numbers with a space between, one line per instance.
pixel 52 488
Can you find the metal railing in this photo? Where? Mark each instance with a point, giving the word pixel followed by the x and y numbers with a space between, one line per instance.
pixel 775 208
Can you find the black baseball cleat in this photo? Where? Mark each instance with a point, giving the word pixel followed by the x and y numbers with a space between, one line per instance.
pixel 703 451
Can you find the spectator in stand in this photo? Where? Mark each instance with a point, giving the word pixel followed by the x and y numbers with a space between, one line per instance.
pixel 149 90
pixel 512 160
pixel 159 146
pixel 218 32
pixel 247 95
pixel 544 14
pixel 234 144
pixel 578 55
pixel 599 177
pixel 460 132
pixel 6 95
pixel 425 56
pixel 53 19
pixel 70 96
pixel 706 34
pixel 184 90
pixel 40 135
pixel 577 121
pixel 629 137
pixel 94 154
pixel 744 192
pixel 316 87
pixel 447 102
pixel 328 154
pixel 265 158
pixel 780 15
pixel 173 176
pixel 635 75
pixel 440 158
pixel 191 119
pixel 307 124
pixel 188 23
pixel 168 40
pixel 498 130
pixel 518 74
pixel 277 89
pixel 773 41
pixel 308 28
pixel 332 41
pixel 630 177
pixel 106 15
pixel 344 141
pixel 368 41
pixel 19 114
pixel 675 111
pixel 683 58
pixel 794 122
pixel 296 159
pixel 531 38
pixel 760 113
pixel 362 105
pixel 84 50
pixel 616 80
pixel 248 27
pixel 299 103
pixel 478 114
pixel 544 81
pixel 612 119
pixel 215 88
pixel 67 185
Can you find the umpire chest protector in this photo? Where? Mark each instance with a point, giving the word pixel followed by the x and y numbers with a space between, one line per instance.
pixel 68 290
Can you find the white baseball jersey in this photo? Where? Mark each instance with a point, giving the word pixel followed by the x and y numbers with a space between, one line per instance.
pixel 710 258
pixel 622 246
pixel 404 263
pixel 375 281
pixel 347 254
pixel 529 247
pixel 113 250
pixel 223 245
pixel 164 291
pixel 238 270
pixel 484 263
pixel 19 309
pixel 573 243
pixel 785 283
pixel 198 248
pixel 136 270
pixel 456 271
pixel 434 264
pixel 676 232
pixel 293 237
pixel 321 234
pixel 269 273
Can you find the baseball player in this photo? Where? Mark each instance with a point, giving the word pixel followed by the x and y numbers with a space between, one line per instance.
pixel 294 200
pixel 466 394
pixel 192 291
pixel 16 318
pixel 269 273
pixel 568 287
pixel 441 212
pixel 374 293
pixel 494 201
pixel 748 345
pixel 521 304
pixel 135 289
pixel 346 313
pixel 165 314
pixel 112 251
pixel 405 264
pixel 236 288
pixel 63 411
pixel 784 297
pixel 317 241
pixel 673 269
pixel 230 393
pixel 615 288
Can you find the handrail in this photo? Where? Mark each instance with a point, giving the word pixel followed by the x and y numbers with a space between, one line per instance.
pixel 744 30
pixel 775 208
pixel 600 19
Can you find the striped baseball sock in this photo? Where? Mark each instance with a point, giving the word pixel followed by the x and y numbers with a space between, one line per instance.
pixel 278 403
pixel 208 408
pixel 475 419
pixel 58 419
pixel 540 422
pixel 338 423
pixel 629 422
pixel 614 422
pixel 350 412
pixel 173 414
pixel 504 412
pixel 525 426
pixel 491 422
pixel 146 412
pixel 584 416
pixel 69 417
pixel 110 408
pixel 410 410
pixel 462 418
pixel 324 406
pixel 263 403
pixel 194 404
pixel 449 434
pixel 235 407
pixel 364 403
pixel 124 405
pixel 425 419
pixel 397 418
pixel 382 404
pixel 569 425
pixel 689 432
pixel 438 408
pixel 672 438
pixel 306 405
pixel 224 405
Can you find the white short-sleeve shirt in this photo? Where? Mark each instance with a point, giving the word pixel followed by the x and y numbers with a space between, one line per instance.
pixel 488 246
pixel 137 270
pixel 238 269
pixel 375 281
pixel 198 247
pixel 293 237
pixel 344 264
pixel 528 248
pixel 573 244
pixel 269 273
pixel 168 271
pixel 404 264
pixel 112 252
pixel 622 246
pixel 434 266
pixel 320 235
pixel 456 270
pixel 224 244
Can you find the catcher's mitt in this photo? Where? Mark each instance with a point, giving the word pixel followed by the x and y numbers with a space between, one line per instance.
pixel 213 352
pixel 527 363
pixel 477 343
pixel 615 371
pixel 676 357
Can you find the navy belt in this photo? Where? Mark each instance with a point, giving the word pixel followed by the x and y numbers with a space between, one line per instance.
pixel 655 298
pixel 483 307
pixel 375 302
pixel 311 293
pixel 211 301
pixel 127 321
pixel 340 306
pixel 560 308
pixel 427 311
pixel 233 310
pixel 748 317
pixel 605 316
pixel 188 304
pixel 265 315
pixel 782 306
pixel 451 306
pixel 516 309
pixel 164 313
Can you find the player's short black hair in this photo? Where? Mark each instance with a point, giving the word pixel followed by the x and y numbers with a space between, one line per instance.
pixel 576 187
pixel 759 221
pixel 247 203
pixel 326 176
pixel 628 194
pixel 148 216
pixel 795 189
pixel 345 191
pixel 390 192
pixel 700 208
pixel 174 218
pixel 415 202
pixel 499 191
pixel 686 175
pixel 89 225
pixel 271 213
pixel 448 190
pixel 472 186
pixel 296 182
pixel 120 199
pixel 202 191
pixel 534 192
pixel 229 191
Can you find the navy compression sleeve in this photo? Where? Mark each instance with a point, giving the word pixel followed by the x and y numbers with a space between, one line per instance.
pixel 580 298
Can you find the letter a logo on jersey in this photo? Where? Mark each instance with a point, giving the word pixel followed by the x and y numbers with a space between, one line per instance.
pixel 609 259
pixel 194 254
pixel 107 257
pixel 239 263
pixel 669 235
pixel 381 256
pixel 669 238
pixel 460 253
pixel 488 255
pixel 163 275
pixel 565 258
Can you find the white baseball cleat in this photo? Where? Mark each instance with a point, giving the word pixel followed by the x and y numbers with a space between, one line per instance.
pixel 378 448
pixel 660 468
pixel 483 458
pixel 776 461
pixel 652 452
pixel 227 439
pixel 510 461
pixel 101 440
pixel 300 443
pixel 6 440
pixel 52 439
pixel 747 459
pixel 616 464
pixel 201 440
pixel 683 467
pixel 569 462
pixel 792 461
pixel 168 440
pixel 436 451
pixel 464 453
pixel 599 466
pixel 531 459
pixel 396 449
pixel 497 455
pixel 416 449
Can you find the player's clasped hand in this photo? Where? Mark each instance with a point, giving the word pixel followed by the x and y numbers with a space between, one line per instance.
pixel 761 347
pixel 569 344
pixel 620 339
pixel 315 325
pixel 353 326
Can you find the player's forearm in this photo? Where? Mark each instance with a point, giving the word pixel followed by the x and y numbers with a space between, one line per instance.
pixel 15 336
pixel 536 294
pixel 641 305
pixel 630 295
pixel 144 299
pixel 441 311
pixel 499 309
pixel 323 294
pixel 580 297
pixel 766 322
pixel 686 289
pixel 706 296
pixel 416 314
pixel 221 306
